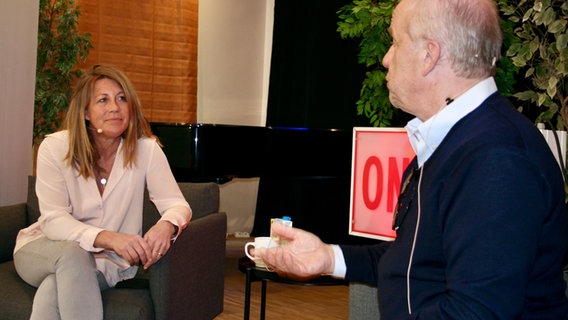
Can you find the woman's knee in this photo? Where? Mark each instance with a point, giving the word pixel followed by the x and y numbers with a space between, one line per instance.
pixel 42 257
pixel 72 254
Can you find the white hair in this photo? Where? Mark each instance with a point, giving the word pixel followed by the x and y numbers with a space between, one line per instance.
pixel 468 31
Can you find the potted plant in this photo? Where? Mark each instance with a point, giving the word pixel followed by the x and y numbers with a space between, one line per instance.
pixel 60 46
pixel 540 50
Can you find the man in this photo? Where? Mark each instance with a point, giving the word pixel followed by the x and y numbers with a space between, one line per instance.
pixel 481 225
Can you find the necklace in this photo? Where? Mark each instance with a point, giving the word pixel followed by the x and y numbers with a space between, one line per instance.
pixel 101 172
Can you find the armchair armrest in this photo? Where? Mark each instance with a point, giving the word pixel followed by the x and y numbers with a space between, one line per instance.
pixel 188 283
pixel 12 219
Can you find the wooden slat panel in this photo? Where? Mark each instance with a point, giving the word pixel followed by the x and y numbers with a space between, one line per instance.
pixel 155 44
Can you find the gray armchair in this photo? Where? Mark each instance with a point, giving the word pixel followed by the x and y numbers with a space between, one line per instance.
pixel 187 283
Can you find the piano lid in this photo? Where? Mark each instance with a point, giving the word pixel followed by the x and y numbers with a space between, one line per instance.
pixel 212 152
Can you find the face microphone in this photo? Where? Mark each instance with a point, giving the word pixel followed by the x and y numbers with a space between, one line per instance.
pixel 99 130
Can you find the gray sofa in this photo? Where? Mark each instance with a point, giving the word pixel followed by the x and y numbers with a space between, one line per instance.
pixel 363 302
pixel 187 283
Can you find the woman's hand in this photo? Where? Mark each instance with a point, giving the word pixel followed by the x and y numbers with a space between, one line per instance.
pixel 131 247
pixel 159 240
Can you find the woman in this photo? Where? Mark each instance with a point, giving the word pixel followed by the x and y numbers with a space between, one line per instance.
pixel 90 186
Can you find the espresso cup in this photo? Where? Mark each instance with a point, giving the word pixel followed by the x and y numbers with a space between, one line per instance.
pixel 259 242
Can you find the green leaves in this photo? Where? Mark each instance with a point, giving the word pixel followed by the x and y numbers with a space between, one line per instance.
pixel 541 52
pixel 60 46
pixel 369 20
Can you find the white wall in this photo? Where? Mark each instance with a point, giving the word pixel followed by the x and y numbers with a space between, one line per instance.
pixel 234 61
pixel 18 43
pixel 234 49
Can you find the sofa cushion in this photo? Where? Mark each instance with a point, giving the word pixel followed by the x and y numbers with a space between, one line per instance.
pixel 32 202
pixel 202 197
pixel 127 304
pixel 16 295
pixel 12 219
pixel 363 301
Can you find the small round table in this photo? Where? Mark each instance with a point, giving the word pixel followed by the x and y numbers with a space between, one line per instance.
pixel 253 273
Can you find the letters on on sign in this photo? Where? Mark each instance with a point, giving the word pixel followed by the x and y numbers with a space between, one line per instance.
pixel 380 156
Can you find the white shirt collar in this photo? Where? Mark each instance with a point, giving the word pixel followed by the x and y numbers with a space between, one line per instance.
pixel 426 136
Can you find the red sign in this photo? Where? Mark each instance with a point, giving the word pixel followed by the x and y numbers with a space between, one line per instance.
pixel 380 156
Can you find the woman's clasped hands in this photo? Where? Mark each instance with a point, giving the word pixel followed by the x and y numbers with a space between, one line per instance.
pixel 137 250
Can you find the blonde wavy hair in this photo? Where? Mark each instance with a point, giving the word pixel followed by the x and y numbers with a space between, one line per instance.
pixel 82 155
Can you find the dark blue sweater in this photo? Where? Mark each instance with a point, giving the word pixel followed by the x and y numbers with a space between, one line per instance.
pixel 492 230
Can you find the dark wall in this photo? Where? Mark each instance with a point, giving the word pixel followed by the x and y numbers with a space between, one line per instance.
pixel 314 78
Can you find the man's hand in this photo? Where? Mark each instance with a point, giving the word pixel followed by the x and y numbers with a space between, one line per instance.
pixel 305 256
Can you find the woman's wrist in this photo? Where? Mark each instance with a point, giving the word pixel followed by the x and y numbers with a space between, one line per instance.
pixel 174 228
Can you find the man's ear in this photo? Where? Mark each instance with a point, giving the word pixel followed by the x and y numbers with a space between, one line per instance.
pixel 432 53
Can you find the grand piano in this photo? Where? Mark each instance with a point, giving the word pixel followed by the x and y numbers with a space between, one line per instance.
pixel 304 173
